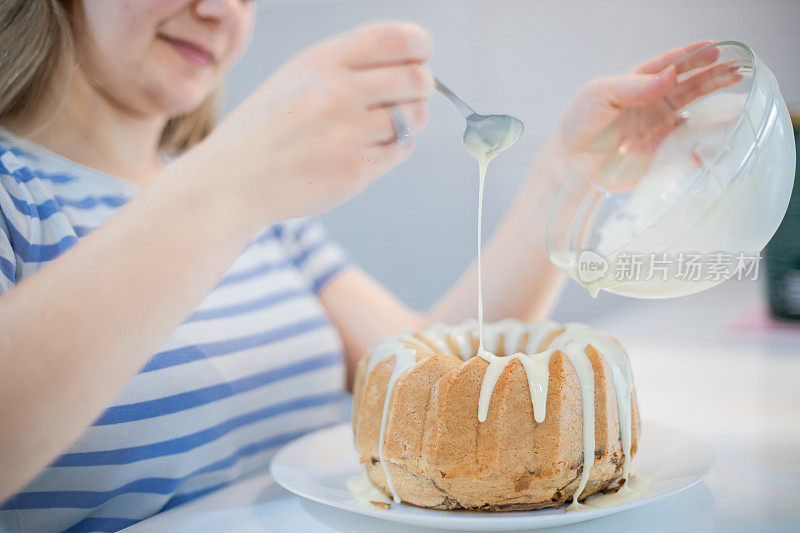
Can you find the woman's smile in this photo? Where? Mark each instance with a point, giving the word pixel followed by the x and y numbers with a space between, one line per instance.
pixel 193 52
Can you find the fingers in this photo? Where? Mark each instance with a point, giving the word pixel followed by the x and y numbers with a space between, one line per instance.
pixel 700 59
pixel 634 89
pixel 707 81
pixel 657 78
pixel 381 44
pixel 399 83
pixel 657 64
pixel 380 126
pixel 381 158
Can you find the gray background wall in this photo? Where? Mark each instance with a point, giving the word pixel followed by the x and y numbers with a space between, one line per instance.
pixel 414 229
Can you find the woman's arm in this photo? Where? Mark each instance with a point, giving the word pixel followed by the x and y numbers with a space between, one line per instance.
pixel 314 134
pixel 519 281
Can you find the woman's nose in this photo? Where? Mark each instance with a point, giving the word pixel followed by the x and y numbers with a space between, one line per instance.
pixel 218 10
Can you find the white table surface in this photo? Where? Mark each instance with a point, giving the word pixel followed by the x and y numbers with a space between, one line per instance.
pixel 697 366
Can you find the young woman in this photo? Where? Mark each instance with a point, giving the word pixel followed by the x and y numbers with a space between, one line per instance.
pixel 167 322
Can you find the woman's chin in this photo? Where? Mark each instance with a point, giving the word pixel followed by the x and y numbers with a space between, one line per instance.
pixel 177 103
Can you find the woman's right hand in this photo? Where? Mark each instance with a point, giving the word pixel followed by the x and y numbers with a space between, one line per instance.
pixel 319 130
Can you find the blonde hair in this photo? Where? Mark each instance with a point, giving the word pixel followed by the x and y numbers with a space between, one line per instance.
pixel 36 37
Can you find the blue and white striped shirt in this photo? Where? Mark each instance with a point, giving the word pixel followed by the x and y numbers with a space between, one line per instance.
pixel 257 364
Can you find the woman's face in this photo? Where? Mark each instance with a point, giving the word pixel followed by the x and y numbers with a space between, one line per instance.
pixel 160 56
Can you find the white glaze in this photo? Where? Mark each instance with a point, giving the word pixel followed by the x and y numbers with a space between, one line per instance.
pixel 583 367
pixel 364 491
pixel 483 164
pixel 536 370
pixel 617 360
pixel 404 359
pixel 632 490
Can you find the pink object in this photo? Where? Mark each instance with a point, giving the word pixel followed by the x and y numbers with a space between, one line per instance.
pixel 757 319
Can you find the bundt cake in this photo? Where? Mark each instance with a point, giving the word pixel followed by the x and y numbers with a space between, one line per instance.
pixel 544 415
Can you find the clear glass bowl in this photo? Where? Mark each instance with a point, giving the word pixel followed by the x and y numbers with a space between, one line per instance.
pixel 674 198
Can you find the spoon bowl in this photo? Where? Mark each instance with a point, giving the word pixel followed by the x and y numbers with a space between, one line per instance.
pixel 485 135
pixel 491 134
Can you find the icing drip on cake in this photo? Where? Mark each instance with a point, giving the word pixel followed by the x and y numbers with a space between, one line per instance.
pixel 404 359
pixel 535 369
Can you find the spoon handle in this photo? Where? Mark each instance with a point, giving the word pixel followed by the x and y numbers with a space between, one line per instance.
pixel 458 102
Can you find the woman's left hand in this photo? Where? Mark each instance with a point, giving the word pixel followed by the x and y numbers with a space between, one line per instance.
pixel 615 105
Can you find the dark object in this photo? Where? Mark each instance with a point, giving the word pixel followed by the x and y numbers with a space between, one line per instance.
pixel 782 253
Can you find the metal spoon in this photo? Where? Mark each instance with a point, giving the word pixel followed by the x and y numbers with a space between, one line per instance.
pixel 485 135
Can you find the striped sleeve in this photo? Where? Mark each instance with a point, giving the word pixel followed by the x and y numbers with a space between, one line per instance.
pixel 32 229
pixel 317 255
pixel 8 260
pixel 8 263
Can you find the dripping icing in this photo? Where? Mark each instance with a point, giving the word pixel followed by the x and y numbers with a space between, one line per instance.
pixel 404 359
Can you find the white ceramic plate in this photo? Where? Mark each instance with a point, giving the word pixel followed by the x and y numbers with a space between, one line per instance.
pixel 318 465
